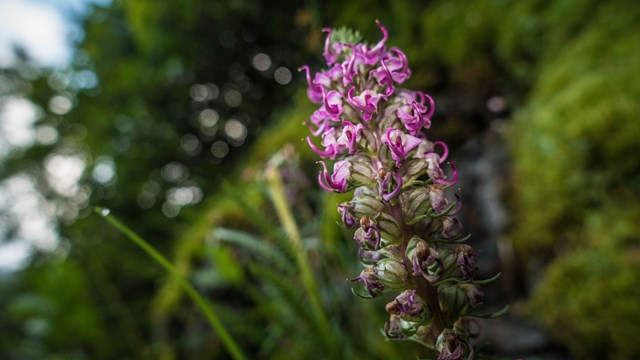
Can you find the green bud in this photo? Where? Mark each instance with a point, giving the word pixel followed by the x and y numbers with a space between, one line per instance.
pixel 411 246
pixel 415 203
pixel 391 273
pixel 453 299
pixel 362 172
pixel 393 251
pixel 345 35
pixel 413 169
pixel 389 229
pixel 365 202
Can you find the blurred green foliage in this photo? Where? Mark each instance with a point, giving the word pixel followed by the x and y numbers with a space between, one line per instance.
pixel 567 70
pixel 594 289
pixel 577 180
pixel 575 138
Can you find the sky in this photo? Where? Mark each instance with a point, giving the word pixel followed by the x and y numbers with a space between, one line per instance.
pixel 45 30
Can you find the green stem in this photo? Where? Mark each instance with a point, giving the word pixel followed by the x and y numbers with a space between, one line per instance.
pixel 227 340
pixel 276 190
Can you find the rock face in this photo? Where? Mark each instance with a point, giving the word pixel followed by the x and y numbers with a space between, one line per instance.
pixel 483 163
pixel 485 168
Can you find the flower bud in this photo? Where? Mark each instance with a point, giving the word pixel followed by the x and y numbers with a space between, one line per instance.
pixel 369 257
pixel 362 172
pixel 366 202
pixel 453 298
pixel 415 202
pixel 413 169
pixel 391 233
pixel 368 234
pixel 391 273
pixel 436 198
pixel 393 251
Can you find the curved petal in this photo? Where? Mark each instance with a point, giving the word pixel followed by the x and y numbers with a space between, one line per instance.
pixel 312 91
pixel 445 150
pixel 396 190
pixel 327 153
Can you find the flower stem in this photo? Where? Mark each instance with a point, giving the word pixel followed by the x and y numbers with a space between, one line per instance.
pixel 429 294
pixel 225 337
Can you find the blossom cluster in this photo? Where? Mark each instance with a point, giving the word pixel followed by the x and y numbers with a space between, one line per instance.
pixel 370 134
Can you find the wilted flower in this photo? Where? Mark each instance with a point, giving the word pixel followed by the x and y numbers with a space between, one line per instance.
pixel 370 281
pixel 346 213
pixel 465 261
pixel 368 235
pixel 452 346
pixel 425 261
pixel 406 305
pixel 474 294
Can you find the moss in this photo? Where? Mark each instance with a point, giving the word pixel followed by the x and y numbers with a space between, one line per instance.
pixel 574 141
pixel 590 298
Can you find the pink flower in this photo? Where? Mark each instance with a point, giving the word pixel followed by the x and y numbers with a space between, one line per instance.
pixel 350 136
pixel 333 103
pixel 396 63
pixel 367 102
pixel 415 115
pixel 320 120
pixel 351 66
pixel 373 55
pixel 383 78
pixel 314 92
pixel 389 184
pixel 331 52
pixel 338 180
pixel 331 146
pixel 325 78
pixel 400 144
pixel 436 174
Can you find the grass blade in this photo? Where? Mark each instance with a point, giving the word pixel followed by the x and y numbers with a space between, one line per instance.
pixel 212 318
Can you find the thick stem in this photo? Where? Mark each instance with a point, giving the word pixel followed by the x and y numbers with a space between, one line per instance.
pixel 429 294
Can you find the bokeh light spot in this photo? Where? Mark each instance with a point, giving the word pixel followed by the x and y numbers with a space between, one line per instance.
pixel 235 130
pixel 283 75
pixel 233 98
pixel 261 62
pixel 60 104
pixel 219 149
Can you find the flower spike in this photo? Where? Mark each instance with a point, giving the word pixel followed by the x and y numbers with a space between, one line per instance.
pixel 374 134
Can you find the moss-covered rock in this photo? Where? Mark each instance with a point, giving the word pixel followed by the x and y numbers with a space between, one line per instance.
pixel 590 300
